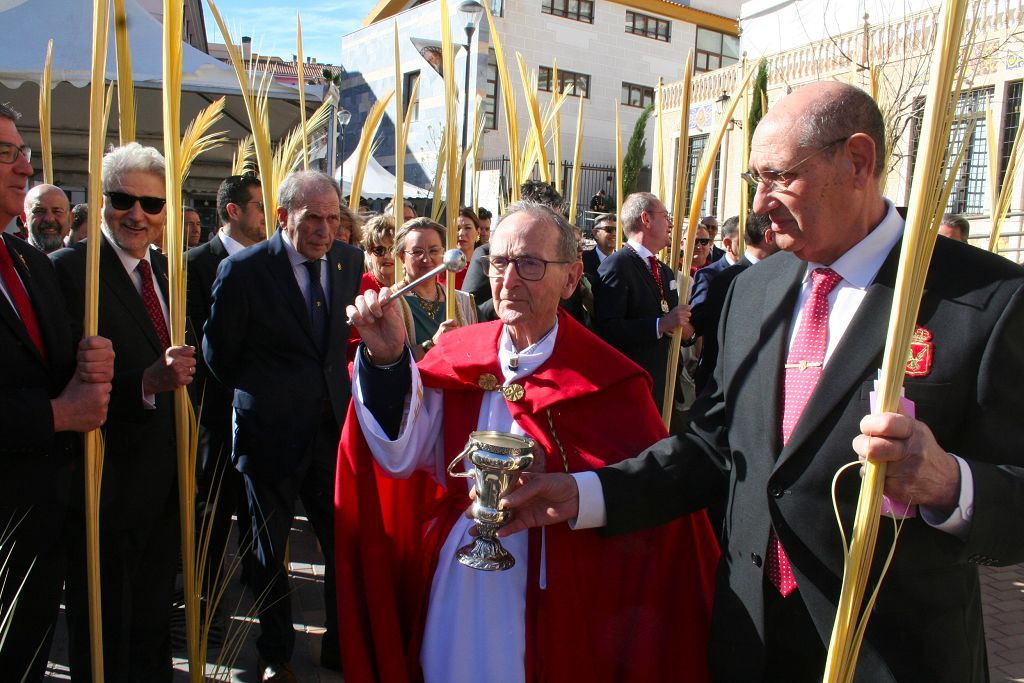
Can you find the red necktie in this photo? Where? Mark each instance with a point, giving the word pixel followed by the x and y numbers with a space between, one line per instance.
pixel 152 303
pixel 803 368
pixel 653 263
pixel 19 297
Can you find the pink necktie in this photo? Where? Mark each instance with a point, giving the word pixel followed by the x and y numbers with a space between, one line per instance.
pixel 803 368
pixel 152 303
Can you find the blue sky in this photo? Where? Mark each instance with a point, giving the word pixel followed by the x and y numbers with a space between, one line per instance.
pixel 271 23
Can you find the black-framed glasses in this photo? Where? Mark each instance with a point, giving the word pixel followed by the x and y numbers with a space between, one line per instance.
pixel 702 241
pixel 772 179
pixel 527 267
pixel 378 251
pixel 9 153
pixel 122 201
pixel 433 252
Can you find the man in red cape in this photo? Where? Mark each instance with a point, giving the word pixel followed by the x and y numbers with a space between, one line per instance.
pixel 631 608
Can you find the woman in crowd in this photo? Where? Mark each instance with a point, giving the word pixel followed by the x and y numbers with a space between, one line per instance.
pixel 701 250
pixel 378 242
pixel 420 245
pixel 350 227
pixel 467 236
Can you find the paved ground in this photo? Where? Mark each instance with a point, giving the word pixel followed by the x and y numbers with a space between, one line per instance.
pixel 1002 589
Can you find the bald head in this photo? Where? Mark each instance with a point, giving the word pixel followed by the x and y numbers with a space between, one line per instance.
pixel 49 217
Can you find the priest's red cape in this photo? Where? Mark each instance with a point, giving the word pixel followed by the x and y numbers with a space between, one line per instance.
pixel 627 608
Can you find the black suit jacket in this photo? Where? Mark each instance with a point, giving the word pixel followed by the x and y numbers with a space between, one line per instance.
pixel 627 305
pixel 214 397
pixel 259 341
pixel 927 623
pixel 35 461
pixel 139 464
pixel 591 263
pixel 707 311
pixel 703 277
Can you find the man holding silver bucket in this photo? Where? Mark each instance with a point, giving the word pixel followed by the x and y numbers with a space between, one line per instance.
pixel 415 599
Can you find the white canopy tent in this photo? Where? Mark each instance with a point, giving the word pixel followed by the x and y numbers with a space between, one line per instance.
pixel 31 23
pixel 378 182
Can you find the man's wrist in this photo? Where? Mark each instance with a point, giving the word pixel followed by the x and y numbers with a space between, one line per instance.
pixel 383 362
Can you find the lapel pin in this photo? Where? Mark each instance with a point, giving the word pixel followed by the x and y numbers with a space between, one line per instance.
pixel 338 266
pixel 921 353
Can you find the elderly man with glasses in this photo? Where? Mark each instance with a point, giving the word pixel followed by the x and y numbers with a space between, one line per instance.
pixel 563 611
pixel 139 538
pixel 789 404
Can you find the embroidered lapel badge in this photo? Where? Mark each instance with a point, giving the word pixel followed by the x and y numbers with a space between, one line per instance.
pixel 921 353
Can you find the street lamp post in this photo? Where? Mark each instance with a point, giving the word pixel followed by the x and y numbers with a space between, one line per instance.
pixel 470 9
pixel 344 116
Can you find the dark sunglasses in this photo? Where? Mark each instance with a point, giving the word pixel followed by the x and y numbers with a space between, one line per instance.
pixel 122 201
pixel 378 251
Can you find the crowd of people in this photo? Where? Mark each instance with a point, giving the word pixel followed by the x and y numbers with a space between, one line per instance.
pixel 707 551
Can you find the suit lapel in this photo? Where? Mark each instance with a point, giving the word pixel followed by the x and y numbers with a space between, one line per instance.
pixel 644 272
pixel 857 352
pixel 113 274
pixel 284 275
pixel 8 313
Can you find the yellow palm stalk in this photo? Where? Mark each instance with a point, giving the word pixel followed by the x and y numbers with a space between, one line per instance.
pixel 373 118
pixel 556 130
pixel 398 199
pixel 197 140
pixel 94 439
pixel 618 178
pixel 240 160
pixel 508 101
pixel 577 155
pixel 256 106
pixel 918 242
pixel 1001 198
pixel 45 140
pixel 533 108
pixel 704 169
pixel 478 132
pixel 288 153
pixel 658 157
pixel 437 187
pixel 741 228
pixel 300 72
pixel 175 241
pixel 125 82
pixel 453 175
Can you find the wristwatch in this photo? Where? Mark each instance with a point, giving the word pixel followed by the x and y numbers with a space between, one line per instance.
pixel 427 345
pixel 691 341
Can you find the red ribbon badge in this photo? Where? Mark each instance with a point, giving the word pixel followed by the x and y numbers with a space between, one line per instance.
pixel 921 353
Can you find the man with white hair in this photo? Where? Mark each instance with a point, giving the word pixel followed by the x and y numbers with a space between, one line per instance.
pixel 49 217
pixel 139 537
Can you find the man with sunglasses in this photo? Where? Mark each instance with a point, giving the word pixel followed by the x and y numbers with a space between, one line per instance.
pixel 560 612
pixel 637 305
pixel 789 404
pixel 47 394
pixel 277 336
pixel 139 537
pixel 240 210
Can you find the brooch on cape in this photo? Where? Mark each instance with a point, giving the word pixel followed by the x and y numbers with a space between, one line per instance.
pixel 513 392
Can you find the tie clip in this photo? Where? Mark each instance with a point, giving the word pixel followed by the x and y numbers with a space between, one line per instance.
pixel 803 365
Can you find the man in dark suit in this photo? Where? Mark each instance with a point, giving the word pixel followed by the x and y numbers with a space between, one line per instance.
pixel 604 235
pixel 711 285
pixel 637 304
pixel 817 158
pixel 240 208
pixel 276 335
pixel 46 395
pixel 139 537
pixel 702 278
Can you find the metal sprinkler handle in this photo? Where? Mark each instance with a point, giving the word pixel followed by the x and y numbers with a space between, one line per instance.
pixel 454 260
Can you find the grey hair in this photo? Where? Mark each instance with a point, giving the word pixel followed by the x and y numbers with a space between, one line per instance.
pixel 839 115
pixel 421 223
pixel 130 158
pixel 955 220
pixel 297 186
pixel 568 240
pixel 8 112
pixel 636 204
pixel 730 228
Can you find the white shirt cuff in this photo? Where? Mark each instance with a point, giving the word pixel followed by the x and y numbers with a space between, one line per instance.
pixel 148 400
pixel 592 513
pixel 657 328
pixel 958 523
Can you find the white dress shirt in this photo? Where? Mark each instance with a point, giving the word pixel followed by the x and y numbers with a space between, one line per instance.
pixel 858 267
pixel 298 262
pixel 231 245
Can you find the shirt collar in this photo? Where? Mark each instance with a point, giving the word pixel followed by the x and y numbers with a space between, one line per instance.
pixel 642 251
pixel 861 263
pixel 530 358
pixel 750 257
pixel 294 257
pixel 129 262
pixel 231 245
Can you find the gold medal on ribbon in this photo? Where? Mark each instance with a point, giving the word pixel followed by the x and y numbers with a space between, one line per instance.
pixel 664 306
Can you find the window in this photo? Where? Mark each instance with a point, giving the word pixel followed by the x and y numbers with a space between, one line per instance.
pixel 715 50
pixel 1011 119
pixel 709 203
pixel 491 93
pixel 634 95
pixel 580 10
pixel 497 8
pixel 407 83
pixel 648 26
pixel 568 81
pixel 970 187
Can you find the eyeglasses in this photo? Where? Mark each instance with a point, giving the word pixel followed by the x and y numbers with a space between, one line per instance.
pixel 702 241
pixel 773 179
pixel 122 201
pixel 379 251
pixel 9 153
pixel 434 252
pixel 259 204
pixel 527 267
